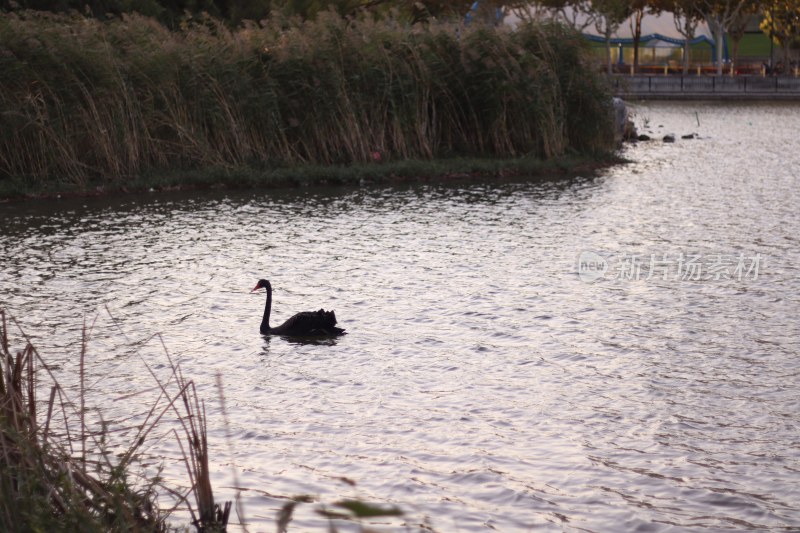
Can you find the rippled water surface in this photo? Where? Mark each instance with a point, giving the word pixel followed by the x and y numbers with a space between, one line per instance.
pixel 489 379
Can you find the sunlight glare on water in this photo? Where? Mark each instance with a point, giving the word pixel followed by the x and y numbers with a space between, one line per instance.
pixel 484 383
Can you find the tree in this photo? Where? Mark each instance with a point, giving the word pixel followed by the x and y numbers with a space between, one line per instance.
pixel 579 14
pixel 638 8
pixel 686 16
pixel 610 15
pixel 720 15
pixel 737 28
pixel 531 11
pixel 782 24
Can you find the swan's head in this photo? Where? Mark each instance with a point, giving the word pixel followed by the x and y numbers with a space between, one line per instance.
pixel 261 284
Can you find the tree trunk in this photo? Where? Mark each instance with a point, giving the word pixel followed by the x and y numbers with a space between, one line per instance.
pixel 719 37
pixel 686 26
pixel 686 49
pixel 735 56
pixel 787 67
pixel 636 23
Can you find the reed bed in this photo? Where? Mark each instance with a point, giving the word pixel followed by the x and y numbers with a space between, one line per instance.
pixel 57 472
pixel 86 102
pixel 63 467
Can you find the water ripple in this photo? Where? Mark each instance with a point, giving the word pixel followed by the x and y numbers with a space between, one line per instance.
pixel 483 385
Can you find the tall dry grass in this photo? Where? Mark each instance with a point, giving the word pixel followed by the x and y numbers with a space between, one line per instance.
pixel 63 467
pixel 84 101
pixel 57 469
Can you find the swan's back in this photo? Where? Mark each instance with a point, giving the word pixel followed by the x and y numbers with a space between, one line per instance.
pixel 309 324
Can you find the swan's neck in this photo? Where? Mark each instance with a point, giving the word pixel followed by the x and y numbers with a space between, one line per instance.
pixel 267 309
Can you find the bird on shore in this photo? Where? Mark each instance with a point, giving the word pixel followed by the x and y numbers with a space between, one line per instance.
pixel 305 324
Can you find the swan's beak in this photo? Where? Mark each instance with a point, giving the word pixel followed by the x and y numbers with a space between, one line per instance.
pixel 254 290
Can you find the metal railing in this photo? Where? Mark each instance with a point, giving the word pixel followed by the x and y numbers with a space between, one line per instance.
pixel 711 85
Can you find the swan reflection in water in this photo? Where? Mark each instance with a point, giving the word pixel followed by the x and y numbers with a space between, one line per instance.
pixel 268 351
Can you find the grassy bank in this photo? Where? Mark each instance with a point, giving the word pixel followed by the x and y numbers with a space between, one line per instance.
pixel 114 104
pixel 356 174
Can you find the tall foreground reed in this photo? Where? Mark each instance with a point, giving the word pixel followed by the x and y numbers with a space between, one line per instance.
pixel 84 101
pixel 57 472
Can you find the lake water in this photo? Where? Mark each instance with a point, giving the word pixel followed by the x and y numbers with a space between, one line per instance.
pixel 610 353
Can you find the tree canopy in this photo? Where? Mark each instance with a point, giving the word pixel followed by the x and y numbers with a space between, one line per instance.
pixel 171 12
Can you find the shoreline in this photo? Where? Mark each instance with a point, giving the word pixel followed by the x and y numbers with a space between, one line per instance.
pixel 244 178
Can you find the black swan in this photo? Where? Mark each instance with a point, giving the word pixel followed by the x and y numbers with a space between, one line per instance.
pixel 306 324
